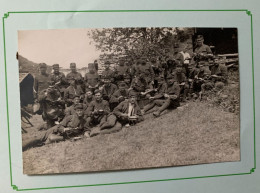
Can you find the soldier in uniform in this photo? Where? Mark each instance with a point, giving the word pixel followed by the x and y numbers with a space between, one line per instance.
pixel 182 80
pixel 41 81
pixel 91 78
pixel 146 70
pixel 171 97
pixel 71 110
pixel 119 95
pixel 121 70
pixel 126 113
pixel 88 98
pixel 107 71
pixel 158 71
pixel 71 126
pixel 58 77
pixel 202 52
pixel 199 78
pixel 158 96
pixel 108 89
pixel 219 70
pixel 74 74
pixel 72 91
pixel 52 106
pixel 97 111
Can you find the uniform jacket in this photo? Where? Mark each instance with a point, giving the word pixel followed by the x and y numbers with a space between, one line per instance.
pixel 115 97
pixel 71 92
pixel 108 73
pixel 174 89
pixel 108 90
pixel 41 82
pixel 98 105
pixel 123 107
pixel 91 79
pixel 74 75
pixel 204 49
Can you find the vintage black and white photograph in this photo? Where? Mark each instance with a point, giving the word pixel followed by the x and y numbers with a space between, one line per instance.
pixel 102 99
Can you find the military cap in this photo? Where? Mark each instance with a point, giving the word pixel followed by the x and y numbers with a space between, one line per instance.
pixel 91 65
pixel 78 106
pixel 127 76
pixel 122 84
pixel 107 62
pixel 97 91
pixel 55 65
pixel 200 38
pixel 43 65
pixel 72 64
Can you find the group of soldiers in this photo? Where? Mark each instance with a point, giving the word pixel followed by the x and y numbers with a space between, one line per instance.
pixel 73 106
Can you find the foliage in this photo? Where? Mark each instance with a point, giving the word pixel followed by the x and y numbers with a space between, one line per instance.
pixel 137 42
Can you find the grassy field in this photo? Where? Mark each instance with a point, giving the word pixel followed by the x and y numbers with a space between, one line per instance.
pixel 196 133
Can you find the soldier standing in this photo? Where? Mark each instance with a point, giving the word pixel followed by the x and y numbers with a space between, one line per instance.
pixel 202 52
pixel 107 71
pixel 59 78
pixel 41 81
pixel 91 78
pixel 74 74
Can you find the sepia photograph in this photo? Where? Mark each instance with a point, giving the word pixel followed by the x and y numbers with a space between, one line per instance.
pixel 108 99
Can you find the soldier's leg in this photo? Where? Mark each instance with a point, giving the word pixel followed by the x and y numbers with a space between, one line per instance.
pixel 110 122
pixel 103 119
pixel 50 123
pixel 165 104
pixel 149 106
pixel 117 127
pixel 40 139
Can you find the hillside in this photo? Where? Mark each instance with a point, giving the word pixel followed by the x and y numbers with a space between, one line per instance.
pixel 194 134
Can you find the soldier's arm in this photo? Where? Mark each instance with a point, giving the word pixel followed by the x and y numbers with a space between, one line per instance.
pixel 208 50
pixel 139 114
pixel 118 110
pixel 35 88
pixel 90 109
pixel 106 108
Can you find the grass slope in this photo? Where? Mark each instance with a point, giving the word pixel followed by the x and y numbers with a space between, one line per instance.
pixel 196 134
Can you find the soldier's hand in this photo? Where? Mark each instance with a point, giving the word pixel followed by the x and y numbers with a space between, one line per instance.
pixel 66 129
pixel 166 95
pixel 151 98
pixel 124 115
pixel 174 96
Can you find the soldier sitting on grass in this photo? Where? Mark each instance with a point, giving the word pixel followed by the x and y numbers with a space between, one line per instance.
pixel 72 91
pixel 70 127
pixel 52 107
pixel 166 99
pixel 71 110
pixel 96 112
pixel 126 113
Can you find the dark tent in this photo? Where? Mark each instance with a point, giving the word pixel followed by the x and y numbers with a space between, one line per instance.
pixel 26 88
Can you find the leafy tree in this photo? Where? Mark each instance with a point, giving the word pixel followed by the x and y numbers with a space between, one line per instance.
pixel 132 43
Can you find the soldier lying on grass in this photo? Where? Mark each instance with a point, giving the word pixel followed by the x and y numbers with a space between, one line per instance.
pixel 71 126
